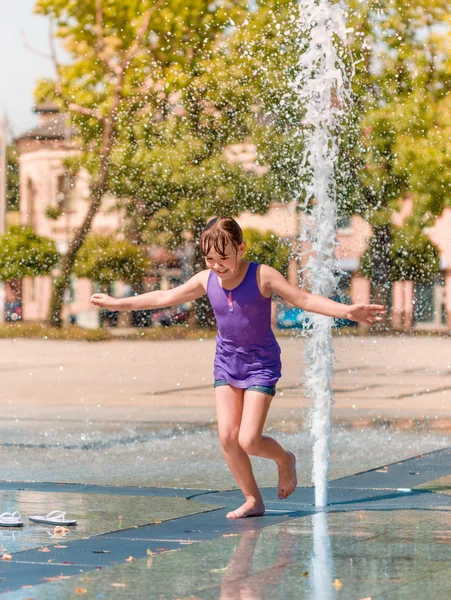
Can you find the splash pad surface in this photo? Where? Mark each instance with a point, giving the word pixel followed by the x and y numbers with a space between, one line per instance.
pixel 153 454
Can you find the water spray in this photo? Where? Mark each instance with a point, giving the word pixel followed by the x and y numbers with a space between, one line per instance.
pixel 323 93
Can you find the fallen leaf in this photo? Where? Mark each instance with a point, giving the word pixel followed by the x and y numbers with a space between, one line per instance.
pixel 337 584
pixel 130 559
pixel 305 574
pixel 118 584
pixel 81 591
pixel 7 557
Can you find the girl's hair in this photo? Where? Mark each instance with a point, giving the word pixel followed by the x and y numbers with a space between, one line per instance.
pixel 218 233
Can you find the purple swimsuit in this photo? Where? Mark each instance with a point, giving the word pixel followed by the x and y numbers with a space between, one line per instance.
pixel 247 352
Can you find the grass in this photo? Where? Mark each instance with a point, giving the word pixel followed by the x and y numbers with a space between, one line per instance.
pixel 41 330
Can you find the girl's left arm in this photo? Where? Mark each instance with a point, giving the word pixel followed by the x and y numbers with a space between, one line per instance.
pixel 273 281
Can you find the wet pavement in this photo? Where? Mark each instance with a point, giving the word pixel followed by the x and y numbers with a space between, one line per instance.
pixel 378 538
pixel 145 478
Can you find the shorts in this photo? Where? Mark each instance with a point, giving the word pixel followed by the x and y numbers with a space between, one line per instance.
pixel 268 390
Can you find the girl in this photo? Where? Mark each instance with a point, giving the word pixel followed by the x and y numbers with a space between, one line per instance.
pixel 247 361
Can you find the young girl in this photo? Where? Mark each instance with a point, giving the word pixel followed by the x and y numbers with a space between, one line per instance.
pixel 247 361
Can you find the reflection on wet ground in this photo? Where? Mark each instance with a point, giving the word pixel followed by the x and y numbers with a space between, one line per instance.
pixel 321 556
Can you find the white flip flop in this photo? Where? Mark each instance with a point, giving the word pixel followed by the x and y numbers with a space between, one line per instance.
pixel 56 517
pixel 8 519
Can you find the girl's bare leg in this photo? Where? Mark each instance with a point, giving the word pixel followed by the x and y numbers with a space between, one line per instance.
pixel 229 409
pixel 250 438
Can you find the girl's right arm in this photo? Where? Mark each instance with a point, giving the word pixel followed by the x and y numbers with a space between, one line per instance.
pixel 191 290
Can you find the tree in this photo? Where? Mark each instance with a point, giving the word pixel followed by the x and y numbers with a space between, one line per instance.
pixel 205 141
pixel 268 249
pixel 132 62
pixel 23 253
pixel 413 257
pixel 104 259
pixel 403 80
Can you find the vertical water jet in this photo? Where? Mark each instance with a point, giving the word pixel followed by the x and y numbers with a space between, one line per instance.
pixel 323 92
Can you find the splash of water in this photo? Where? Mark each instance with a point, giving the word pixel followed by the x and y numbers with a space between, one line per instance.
pixel 323 92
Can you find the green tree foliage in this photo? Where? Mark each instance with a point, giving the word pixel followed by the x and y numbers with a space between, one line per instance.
pixel 268 249
pixel 402 82
pixel 205 133
pixel 23 253
pixel 104 259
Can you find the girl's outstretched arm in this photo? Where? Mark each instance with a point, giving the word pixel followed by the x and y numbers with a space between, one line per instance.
pixel 191 290
pixel 273 281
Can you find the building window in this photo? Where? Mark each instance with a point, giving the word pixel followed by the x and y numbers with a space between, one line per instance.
pixel 344 223
pixel 429 302
pixel 31 204
pixel 60 191
pixel 32 289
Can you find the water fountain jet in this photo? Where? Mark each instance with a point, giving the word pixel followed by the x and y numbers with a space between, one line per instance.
pixel 323 92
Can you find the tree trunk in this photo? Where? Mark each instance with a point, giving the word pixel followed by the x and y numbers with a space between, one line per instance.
pixel 67 264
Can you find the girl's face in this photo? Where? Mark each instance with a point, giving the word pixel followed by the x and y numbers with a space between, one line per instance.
pixel 227 266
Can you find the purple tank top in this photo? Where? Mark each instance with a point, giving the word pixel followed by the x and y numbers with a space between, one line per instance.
pixel 247 352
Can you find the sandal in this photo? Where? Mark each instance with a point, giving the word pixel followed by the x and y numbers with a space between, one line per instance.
pixel 56 517
pixel 8 519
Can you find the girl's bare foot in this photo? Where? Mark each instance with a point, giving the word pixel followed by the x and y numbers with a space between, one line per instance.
pixel 287 476
pixel 251 508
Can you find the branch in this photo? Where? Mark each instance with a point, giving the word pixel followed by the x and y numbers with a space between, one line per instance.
pixel 83 110
pixel 56 66
pixel 100 44
pixel 99 26
pixel 58 85
pixel 30 48
pixel 141 33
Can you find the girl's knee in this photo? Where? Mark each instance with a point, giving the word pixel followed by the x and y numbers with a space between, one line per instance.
pixel 229 439
pixel 249 443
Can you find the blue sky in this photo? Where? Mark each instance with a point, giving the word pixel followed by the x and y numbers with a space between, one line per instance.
pixel 20 68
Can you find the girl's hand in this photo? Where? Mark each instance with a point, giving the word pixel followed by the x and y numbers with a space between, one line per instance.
pixel 366 313
pixel 103 300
